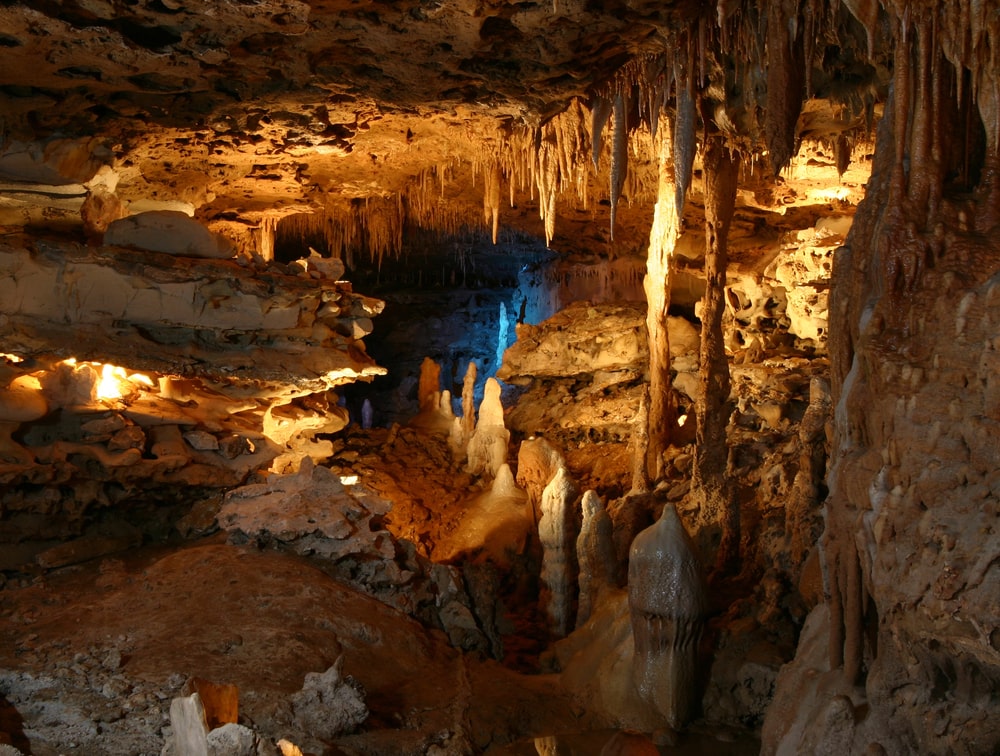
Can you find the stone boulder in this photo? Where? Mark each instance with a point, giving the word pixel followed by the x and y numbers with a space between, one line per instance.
pixel 329 704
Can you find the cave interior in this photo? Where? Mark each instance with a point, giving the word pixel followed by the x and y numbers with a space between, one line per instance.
pixel 474 376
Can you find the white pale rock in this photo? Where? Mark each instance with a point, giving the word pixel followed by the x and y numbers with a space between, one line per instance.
pixel 232 740
pixel 668 605
pixel 168 231
pixel 166 442
pixel 324 267
pixel 190 729
pixel 21 401
pixel 57 161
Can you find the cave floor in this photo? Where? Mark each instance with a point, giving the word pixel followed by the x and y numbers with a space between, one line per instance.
pixel 92 654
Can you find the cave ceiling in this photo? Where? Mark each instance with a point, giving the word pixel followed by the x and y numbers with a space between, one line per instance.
pixel 247 112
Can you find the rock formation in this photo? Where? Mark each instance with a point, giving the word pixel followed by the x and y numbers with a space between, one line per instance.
pixel 668 608
pixel 329 703
pixel 595 555
pixel 557 530
pixel 537 463
pixel 487 450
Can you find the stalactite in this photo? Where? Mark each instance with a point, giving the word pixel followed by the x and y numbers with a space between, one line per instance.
pixel 684 140
pixel 835 581
pixel 901 112
pixel 785 78
pixel 812 12
pixel 853 618
pixel 491 198
pixel 548 184
pixel 866 12
pixel 922 120
pixel 600 111
pixel 619 156
pixel 842 153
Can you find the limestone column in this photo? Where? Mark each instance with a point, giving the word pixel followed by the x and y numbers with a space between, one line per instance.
pixel 659 264
pixel 719 505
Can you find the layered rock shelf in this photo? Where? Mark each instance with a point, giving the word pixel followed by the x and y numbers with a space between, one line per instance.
pixel 176 372
pixel 271 332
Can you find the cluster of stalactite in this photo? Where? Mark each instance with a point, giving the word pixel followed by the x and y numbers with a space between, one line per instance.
pixel 374 227
pixel 744 70
pixel 567 156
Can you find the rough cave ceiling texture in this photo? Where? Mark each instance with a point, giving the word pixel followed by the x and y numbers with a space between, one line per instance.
pixel 251 111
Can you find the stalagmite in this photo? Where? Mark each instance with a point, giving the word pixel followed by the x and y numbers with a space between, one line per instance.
pixel 639 446
pixel 265 237
pixel 488 446
pixel 595 555
pixel 468 400
pixel 556 531
pixel 668 605
pixel 429 388
pixel 537 463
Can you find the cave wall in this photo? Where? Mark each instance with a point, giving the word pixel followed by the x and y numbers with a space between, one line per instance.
pixel 909 656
